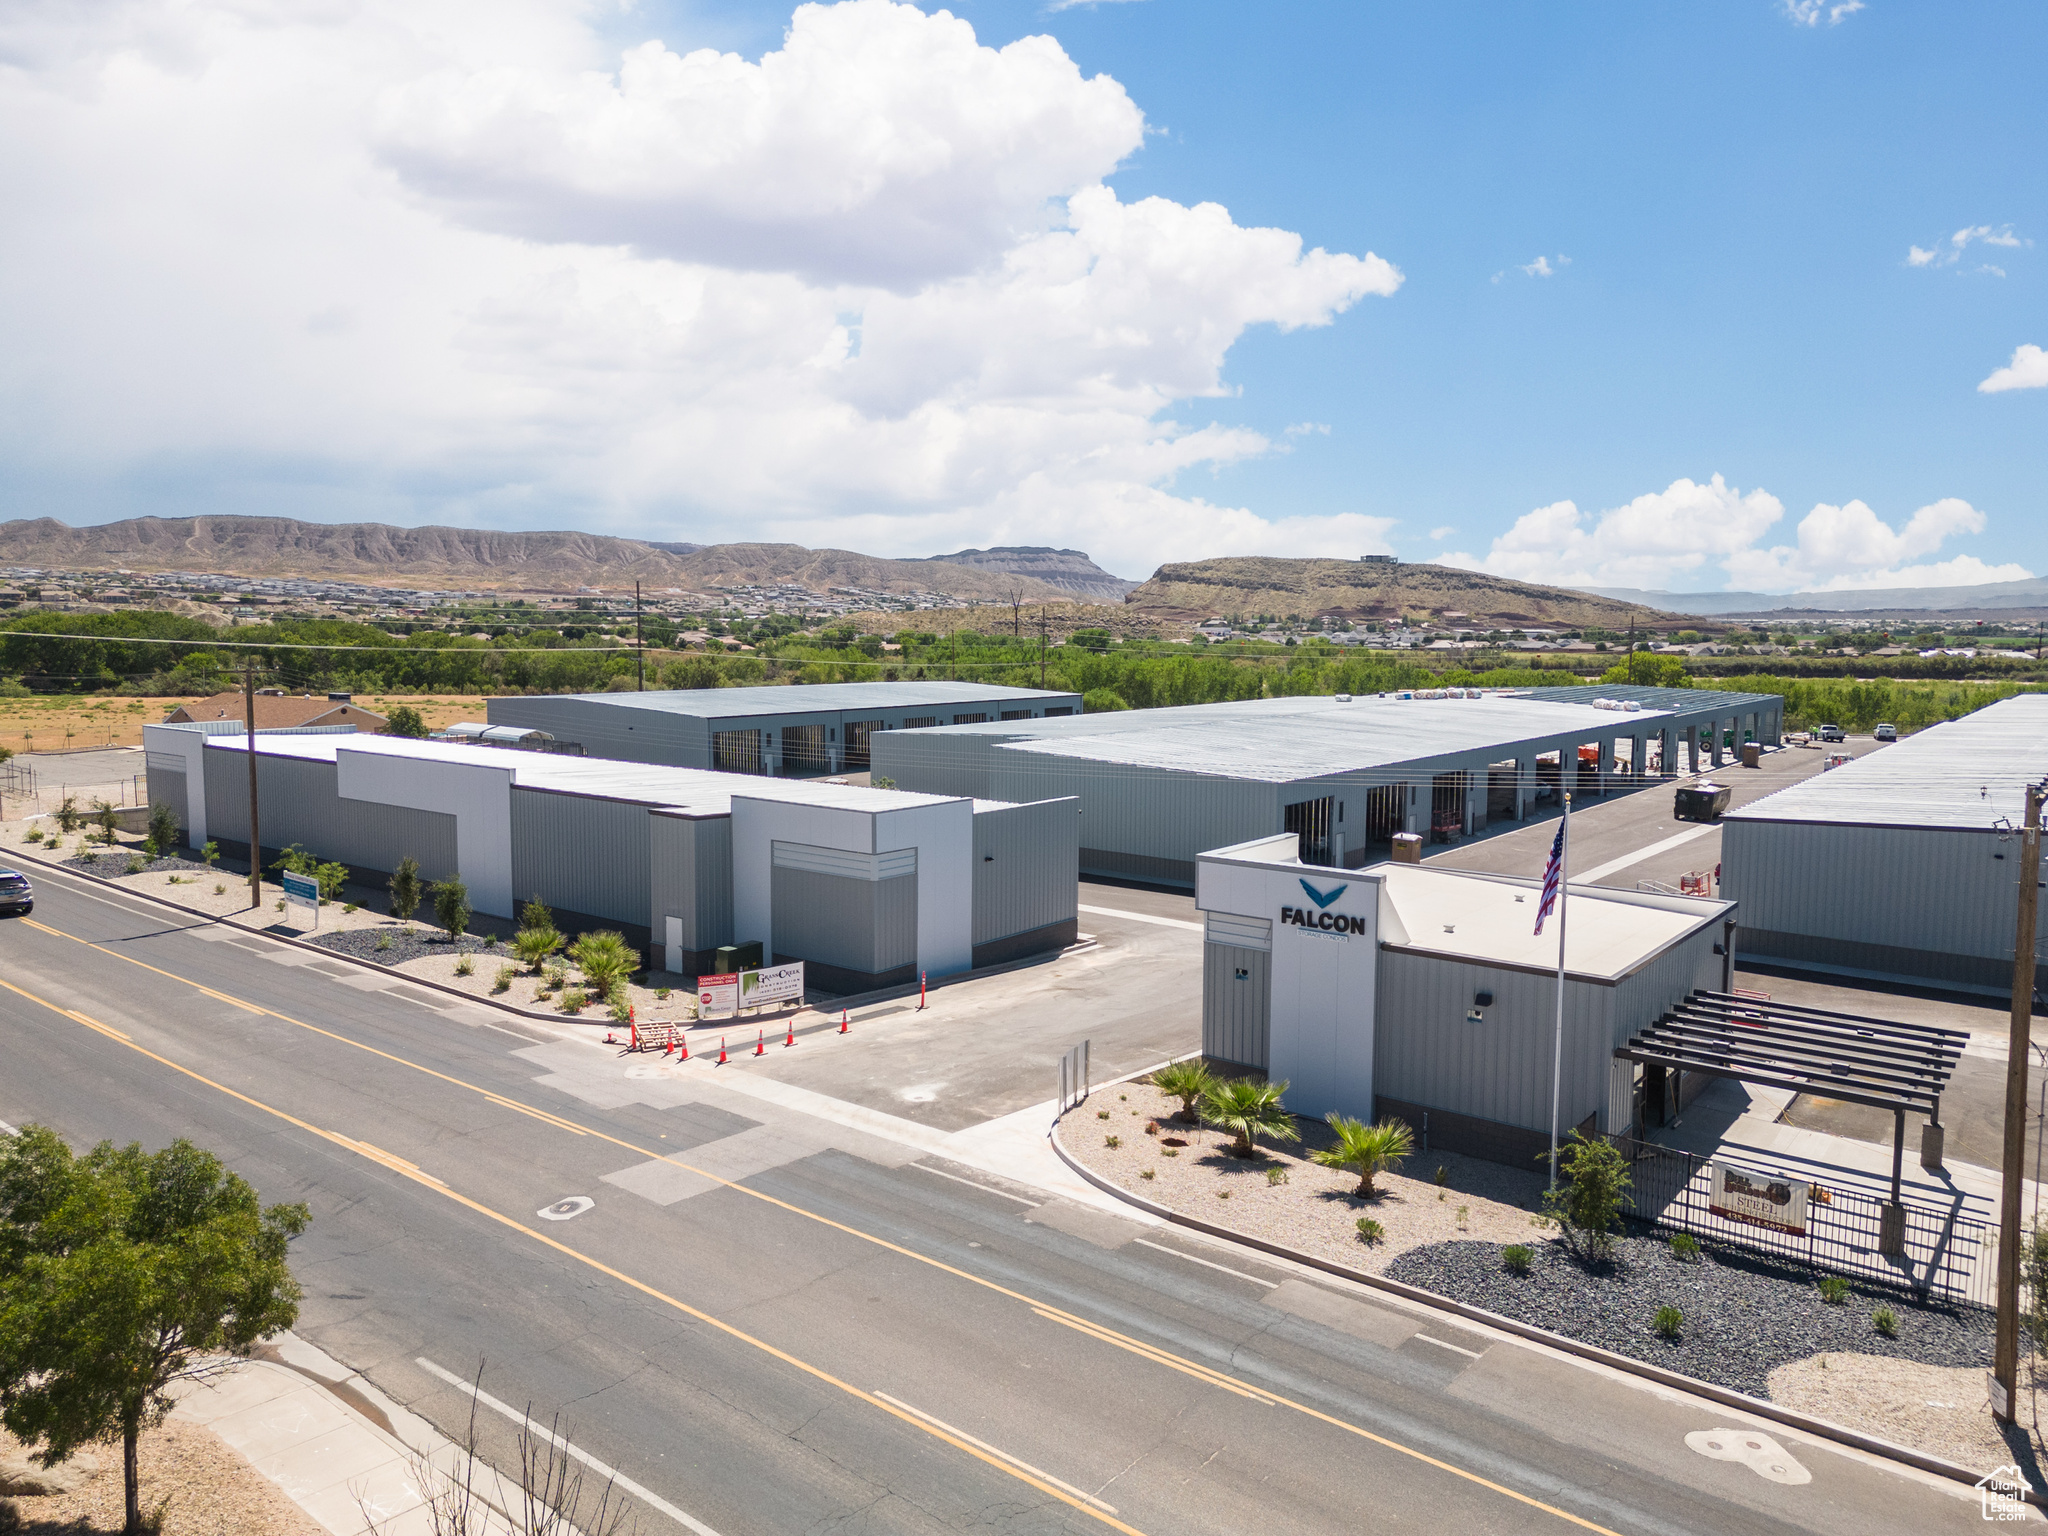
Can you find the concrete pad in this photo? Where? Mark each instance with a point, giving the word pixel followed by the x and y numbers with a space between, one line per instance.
pixel 1384 1326
pixel 295 1418
pixel 203 1402
pixel 336 1459
pixel 1093 1226
pixel 662 1182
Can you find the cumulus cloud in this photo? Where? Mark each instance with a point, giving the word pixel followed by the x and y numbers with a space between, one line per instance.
pixel 1540 267
pixel 408 259
pixel 2027 370
pixel 1670 539
pixel 1442 533
pixel 1949 252
pixel 1811 13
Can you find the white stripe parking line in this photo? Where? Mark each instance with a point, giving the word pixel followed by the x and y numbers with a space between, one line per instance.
pixel 1601 872
pixel 1271 1285
pixel 1139 917
pixel 619 1479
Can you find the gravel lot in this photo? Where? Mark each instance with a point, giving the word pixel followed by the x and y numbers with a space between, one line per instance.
pixel 1315 1209
pixel 1744 1316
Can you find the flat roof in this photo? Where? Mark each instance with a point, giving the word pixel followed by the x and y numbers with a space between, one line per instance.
pixel 702 791
pixel 1961 774
pixel 1286 739
pixel 1491 920
pixel 807 698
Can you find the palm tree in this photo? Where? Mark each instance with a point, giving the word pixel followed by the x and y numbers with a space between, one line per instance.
pixel 534 945
pixel 1186 1081
pixel 1248 1108
pixel 604 960
pixel 1366 1149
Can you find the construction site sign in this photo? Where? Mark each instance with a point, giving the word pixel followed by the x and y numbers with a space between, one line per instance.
pixel 718 996
pixel 772 985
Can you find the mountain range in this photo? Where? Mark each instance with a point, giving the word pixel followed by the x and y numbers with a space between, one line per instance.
pixel 2031 593
pixel 1068 569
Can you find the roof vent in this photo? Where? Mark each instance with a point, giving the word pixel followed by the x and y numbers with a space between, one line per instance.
pixel 1343 698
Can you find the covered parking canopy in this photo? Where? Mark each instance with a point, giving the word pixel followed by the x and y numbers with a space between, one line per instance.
pixel 1879 1062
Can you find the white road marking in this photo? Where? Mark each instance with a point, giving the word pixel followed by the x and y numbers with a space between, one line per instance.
pixel 1601 872
pixel 1454 1348
pixel 1763 1455
pixel 1140 917
pixel 8 1130
pixel 563 1210
pixel 1015 1461
pixel 1161 1248
pixel 976 1184
pixel 619 1479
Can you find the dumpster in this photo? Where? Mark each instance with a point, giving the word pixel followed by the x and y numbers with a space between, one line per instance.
pixel 1751 754
pixel 1407 848
pixel 1700 802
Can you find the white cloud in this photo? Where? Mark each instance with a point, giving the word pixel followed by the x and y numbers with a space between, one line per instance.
pixel 2027 370
pixel 1669 539
pixel 1811 13
pixel 1949 252
pixel 1541 266
pixel 426 260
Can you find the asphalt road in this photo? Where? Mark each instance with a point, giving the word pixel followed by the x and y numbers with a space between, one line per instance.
pixel 823 1331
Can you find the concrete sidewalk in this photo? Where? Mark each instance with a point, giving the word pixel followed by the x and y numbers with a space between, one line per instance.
pixel 347 1455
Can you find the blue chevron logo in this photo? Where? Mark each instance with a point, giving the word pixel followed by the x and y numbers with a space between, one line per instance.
pixel 1320 898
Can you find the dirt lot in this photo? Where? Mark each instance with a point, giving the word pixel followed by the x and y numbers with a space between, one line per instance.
pixel 54 722
pixel 204 1488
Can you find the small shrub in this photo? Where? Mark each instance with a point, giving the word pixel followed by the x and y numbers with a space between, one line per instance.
pixel 163 826
pixel 108 820
pixel 1588 1204
pixel 350 909
pixel 150 849
pixel 1886 1322
pixel 1370 1231
pixel 280 906
pixel 1149 1173
pixel 35 835
pixel 210 853
pixel 1169 1151
pixel 1248 1109
pixel 137 863
pixel 1365 1149
pixel 1464 1211
pixel 1442 1177
pixel 451 906
pixel 621 1005
pixel 555 975
pixel 502 982
pixel 1515 1258
pixel 173 880
pixel 69 817
pixel 1685 1247
pixel 1125 1097
pixel 405 889
pixel 574 1000
pixel 383 941
pixel 1112 1142
pixel 1186 1081
pixel 1102 1114
pixel 1151 1127
pixel 466 966
pixel 1276 1176
pixel 219 888
pixel 604 959
pixel 1834 1290
pixel 490 941
pixel 1668 1321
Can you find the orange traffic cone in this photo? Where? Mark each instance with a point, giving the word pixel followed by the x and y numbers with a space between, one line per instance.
pixel 842 1021
pixel 790 1039
pixel 760 1042
pixel 721 1050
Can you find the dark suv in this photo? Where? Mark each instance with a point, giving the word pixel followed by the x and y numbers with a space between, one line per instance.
pixel 17 896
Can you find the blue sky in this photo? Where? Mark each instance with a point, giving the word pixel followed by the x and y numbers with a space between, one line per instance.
pixel 1726 201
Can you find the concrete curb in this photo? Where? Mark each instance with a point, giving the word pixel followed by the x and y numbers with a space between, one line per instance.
pixel 1727 1397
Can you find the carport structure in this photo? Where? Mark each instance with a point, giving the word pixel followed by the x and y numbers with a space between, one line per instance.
pixel 1879 1062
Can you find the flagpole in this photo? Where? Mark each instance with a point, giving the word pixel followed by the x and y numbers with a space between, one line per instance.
pixel 1564 882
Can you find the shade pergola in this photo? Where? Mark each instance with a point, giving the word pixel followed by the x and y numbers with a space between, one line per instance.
pixel 1879 1062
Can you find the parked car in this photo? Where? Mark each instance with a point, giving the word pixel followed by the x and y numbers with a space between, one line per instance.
pixel 1833 733
pixel 1886 733
pixel 16 894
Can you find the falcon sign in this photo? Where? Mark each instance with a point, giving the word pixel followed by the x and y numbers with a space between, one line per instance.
pixel 1322 918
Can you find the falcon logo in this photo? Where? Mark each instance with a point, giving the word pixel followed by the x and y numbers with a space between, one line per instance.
pixel 1323 898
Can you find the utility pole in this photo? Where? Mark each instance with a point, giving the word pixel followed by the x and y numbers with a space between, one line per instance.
pixel 2006 1348
pixel 1631 650
pixel 639 644
pixel 255 839
pixel 1041 645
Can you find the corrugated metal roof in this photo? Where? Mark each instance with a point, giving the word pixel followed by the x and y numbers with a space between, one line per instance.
pixel 1965 773
pixel 814 698
pixel 1281 740
pixel 1654 698
pixel 699 790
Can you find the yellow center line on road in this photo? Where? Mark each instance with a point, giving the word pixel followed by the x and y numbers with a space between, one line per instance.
pixel 408 1170
pixel 1081 1324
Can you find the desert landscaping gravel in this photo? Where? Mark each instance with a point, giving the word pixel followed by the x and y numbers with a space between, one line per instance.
pixel 205 1486
pixel 1310 1208
pixel 1938 1409
pixel 1743 1316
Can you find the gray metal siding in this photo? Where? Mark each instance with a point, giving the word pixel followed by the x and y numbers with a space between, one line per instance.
pixel 1642 998
pixel 587 855
pixel 634 736
pixel 1903 888
pixel 1424 1051
pixel 1131 809
pixel 167 787
pixel 936 762
pixel 1026 868
pixel 863 926
pixel 690 878
pixel 1237 1014
pixel 298 804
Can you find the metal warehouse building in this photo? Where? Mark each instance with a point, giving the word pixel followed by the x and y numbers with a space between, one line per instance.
pixel 1903 863
pixel 1424 993
pixel 805 730
pixel 868 887
pixel 1159 786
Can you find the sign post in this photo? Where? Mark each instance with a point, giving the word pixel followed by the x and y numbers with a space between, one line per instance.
pixel 303 891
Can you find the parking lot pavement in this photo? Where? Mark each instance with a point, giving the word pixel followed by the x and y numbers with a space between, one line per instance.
pixel 991 1046
pixel 1616 836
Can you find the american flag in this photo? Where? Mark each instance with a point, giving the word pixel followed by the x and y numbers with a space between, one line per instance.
pixel 1553 874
